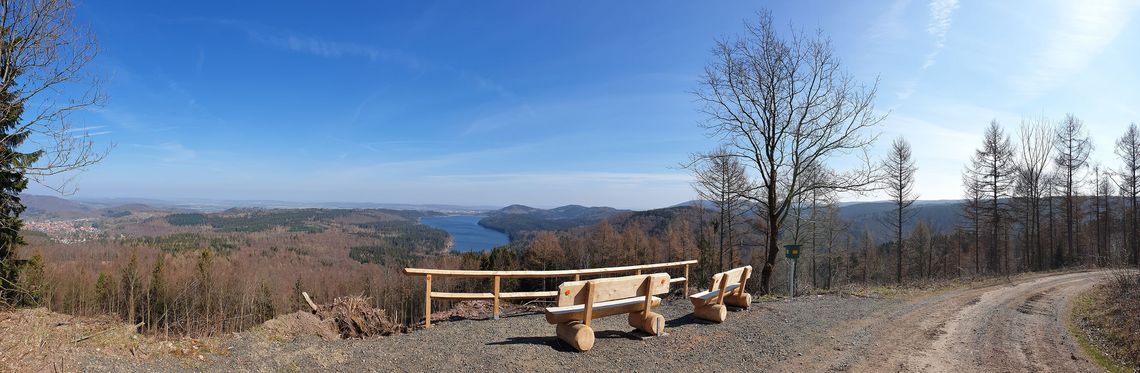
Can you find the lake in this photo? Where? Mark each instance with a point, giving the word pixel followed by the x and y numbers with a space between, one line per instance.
pixel 466 232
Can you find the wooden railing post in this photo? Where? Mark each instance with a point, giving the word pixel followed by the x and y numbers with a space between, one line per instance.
pixel 427 302
pixel 577 277
pixel 496 311
pixel 686 283
pixel 589 307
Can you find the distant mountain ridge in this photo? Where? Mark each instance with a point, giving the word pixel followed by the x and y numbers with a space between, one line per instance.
pixel 515 219
pixel 942 216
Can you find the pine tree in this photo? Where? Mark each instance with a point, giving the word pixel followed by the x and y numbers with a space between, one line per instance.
pixel 156 294
pixel 12 175
pixel 898 171
pixel 104 291
pixel 42 58
pixel 263 305
pixel 131 286
pixel 32 282
pixel 1073 148
pixel 993 165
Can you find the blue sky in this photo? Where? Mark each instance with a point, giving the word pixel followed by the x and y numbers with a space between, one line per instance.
pixel 546 103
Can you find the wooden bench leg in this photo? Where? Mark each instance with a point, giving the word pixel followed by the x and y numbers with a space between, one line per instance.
pixel 738 300
pixel 576 334
pixel 712 312
pixel 654 323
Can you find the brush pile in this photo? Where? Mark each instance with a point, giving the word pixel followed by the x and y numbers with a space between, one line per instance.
pixel 354 317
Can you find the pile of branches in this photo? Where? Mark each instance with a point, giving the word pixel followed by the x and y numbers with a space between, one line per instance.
pixel 355 317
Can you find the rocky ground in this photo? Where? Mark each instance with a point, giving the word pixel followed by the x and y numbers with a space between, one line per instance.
pixel 1007 326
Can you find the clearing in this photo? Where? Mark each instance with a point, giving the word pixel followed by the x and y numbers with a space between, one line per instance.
pixel 1016 326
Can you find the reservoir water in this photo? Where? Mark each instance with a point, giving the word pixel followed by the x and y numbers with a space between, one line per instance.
pixel 466 232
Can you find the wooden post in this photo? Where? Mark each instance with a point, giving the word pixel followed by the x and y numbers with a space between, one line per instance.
pixel 743 280
pixel 589 303
pixel 577 277
pixel 427 301
pixel 496 297
pixel 686 283
pixel 723 285
pixel 648 297
pixel 637 273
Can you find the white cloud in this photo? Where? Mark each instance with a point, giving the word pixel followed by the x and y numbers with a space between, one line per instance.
pixel 335 49
pixel 1085 28
pixel 890 24
pixel 170 152
pixel 83 129
pixel 941 13
pixel 326 48
pixel 563 178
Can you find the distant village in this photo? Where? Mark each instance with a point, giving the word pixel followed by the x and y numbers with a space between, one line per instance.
pixel 65 231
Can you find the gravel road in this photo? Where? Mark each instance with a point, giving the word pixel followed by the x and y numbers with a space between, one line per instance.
pixel 1017 326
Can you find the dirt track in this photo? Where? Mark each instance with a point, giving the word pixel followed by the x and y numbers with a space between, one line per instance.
pixel 1018 326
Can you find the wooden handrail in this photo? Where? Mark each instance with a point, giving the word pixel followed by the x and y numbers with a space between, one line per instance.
pixel 541 274
pixel 496 276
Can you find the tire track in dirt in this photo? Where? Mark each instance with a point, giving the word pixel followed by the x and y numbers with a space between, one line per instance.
pixel 1019 326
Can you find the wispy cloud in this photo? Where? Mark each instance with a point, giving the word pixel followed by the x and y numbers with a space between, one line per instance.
pixel 941 15
pixel 169 152
pixel 83 129
pixel 335 49
pixel 569 177
pixel 1084 30
pixel 326 48
pixel 889 25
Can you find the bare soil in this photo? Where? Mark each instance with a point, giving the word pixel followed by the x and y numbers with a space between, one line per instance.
pixel 1010 326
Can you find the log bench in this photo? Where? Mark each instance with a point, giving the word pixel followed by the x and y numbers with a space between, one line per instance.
pixel 726 288
pixel 579 302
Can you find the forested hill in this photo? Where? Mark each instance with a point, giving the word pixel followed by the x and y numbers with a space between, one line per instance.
pixel 940 216
pixel 515 219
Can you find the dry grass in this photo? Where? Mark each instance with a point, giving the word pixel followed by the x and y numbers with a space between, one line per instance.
pixel 41 340
pixel 1109 317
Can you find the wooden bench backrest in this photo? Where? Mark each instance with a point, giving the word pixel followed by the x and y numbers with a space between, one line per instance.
pixel 614 288
pixel 735 275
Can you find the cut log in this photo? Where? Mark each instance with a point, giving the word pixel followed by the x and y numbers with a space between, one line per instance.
pixel 714 312
pixel 654 324
pixel 576 334
pixel 738 300
pixel 310 302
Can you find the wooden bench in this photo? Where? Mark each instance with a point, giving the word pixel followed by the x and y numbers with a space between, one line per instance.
pixel 579 302
pixel 726 288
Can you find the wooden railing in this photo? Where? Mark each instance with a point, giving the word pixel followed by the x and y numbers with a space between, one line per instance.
pixel 496 277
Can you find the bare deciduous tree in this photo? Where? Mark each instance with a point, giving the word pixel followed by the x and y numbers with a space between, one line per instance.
pixel 1036 140
pixel 721 179
pixel 43 54
pixel 43 69
pixel 782 103
pixel 898 180
pixel 993 164
pixel 972 212
pixel 1073 147
pixel 1128 149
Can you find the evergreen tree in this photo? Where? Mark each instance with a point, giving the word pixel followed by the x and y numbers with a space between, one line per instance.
pixel 42 58
pixel 13 162
pixel 34 289
pixel 898 170
pixel 156 294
